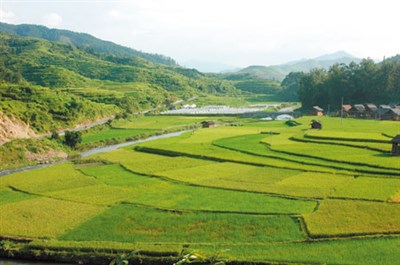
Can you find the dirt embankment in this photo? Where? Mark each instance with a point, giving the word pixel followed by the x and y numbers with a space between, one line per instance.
pixel 46 157
pixel 12 128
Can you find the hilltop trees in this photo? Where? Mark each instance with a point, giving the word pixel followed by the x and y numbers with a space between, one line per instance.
pixel 363 82
pixel 291 86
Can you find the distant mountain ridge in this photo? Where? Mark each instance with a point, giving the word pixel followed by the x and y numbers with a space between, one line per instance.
pixel 83 41
pixel 210 67
pixel 278 72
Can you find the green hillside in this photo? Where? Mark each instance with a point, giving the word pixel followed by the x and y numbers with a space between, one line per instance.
pixel 82 40
pixel 278 72
pixel 126 84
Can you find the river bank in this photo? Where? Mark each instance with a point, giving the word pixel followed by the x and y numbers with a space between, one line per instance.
pixel 93 151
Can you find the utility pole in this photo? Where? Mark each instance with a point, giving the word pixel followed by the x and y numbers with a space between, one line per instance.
pixel 341 112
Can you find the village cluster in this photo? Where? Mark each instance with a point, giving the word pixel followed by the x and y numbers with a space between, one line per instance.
pixel 365 111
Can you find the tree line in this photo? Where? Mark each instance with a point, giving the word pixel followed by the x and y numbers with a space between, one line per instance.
pixel 362 82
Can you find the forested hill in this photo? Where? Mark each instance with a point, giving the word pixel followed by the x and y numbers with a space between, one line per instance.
pixel 278 72
pixel 84 41
pixel 39 76
pixel 53 64
pixel 356 83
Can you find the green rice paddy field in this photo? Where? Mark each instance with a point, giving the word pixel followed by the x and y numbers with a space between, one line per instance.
pixel 260 192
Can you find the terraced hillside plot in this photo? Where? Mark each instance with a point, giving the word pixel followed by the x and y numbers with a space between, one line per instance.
pixel 230 175
pixel 369 188
pixel 258 195
pixel 209 151
pixel 10 196
pixel 341 154
pixel 349 136
pixel 127 223
pixel 115 134
pixel 377 251
pixel 142 126
pixel 52 178
pixel 354 126
pixel 43 217
pixel 99 194
pixel 159 193
pixel 115 175
pixel 396 197
pixel 281 147
pixel 150 163
pixel 346 217
pixel 163 122
pixel 258 145
pixel 310 184
pixel 374 146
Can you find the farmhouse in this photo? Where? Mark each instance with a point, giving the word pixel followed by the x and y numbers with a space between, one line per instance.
pixel 385 112
pixel 207 124
pixel 370 110
pixel 396 145
pixel 346 110
pixel 358 111
pixel 317 111
pixel 316 125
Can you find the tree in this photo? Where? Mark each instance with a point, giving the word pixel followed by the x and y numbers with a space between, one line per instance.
pixel 291 86
pixel 72 139
pixel 54 135
pixel 356 83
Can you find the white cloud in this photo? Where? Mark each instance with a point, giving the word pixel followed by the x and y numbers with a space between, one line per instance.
pixel 236 32
pixel 117 15
pixel 7 16
pixel 52 20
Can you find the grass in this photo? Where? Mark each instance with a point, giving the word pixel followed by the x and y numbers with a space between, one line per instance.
pixel 162 122
pixel 279 201
pixel 52 178
pixel 96 195
pixel 198 144
pixel 348 136
pixel 375 146
pixel 368 188
pixel 379 251
pixel 260 179
pixel 9 196
pixel 284 149
pixel 339 217
pixel 165 194
pixel 112 133
pixel 108 246
pixel 127 223
pixel 141 126
pixel 150 163
pixel 43 217
pixel 339 154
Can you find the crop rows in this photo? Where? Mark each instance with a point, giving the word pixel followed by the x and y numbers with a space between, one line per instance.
pixel 264 197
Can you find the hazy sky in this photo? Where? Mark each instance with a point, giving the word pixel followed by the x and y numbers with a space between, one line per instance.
pixel 234 32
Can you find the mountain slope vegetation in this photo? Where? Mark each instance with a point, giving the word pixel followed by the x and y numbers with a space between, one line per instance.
pixel 53 85
pixel 278 72
pixel 83 41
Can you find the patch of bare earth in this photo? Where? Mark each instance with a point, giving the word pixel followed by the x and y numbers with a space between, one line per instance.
pixel 45 157
pixel 12 128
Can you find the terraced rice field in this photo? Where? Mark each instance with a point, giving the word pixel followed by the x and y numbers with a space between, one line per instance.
pixel 261 192
pixel 143 126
